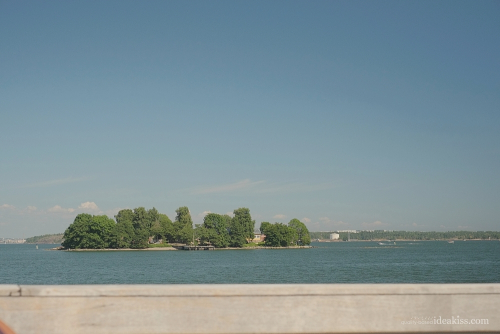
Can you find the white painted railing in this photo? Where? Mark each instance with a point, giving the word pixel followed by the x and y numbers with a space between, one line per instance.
pixel 301 308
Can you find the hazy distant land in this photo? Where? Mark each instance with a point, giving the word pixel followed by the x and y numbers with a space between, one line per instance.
pixel 408 235
pixel 46 239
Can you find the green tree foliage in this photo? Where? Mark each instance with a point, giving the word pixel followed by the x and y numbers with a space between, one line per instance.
pixel 156 230
pixel 140 219
pixel 103 227
pixel 237 235
pixel 302 232
pixel 241 228
pixel 154 224
pixel 89 232
pixel 183 225
pixel 167 228
pixel 185 235
pixel 140 239
pixel 122 235
pixel 215 230
pixel 75 232
pixel 133 228
pixel 125 215
pixel 142 225
pixel 124 230
pixel 153 218
pixel 264 226
pixel 278 234
pixel 183 216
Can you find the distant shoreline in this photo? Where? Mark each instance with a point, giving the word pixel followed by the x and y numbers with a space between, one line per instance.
pixel 415 240
pixel 114 249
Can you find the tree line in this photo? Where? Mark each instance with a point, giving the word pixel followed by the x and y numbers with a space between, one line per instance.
pixel 410 235
pixel 138 227
pixel 281 235
pixel 45 239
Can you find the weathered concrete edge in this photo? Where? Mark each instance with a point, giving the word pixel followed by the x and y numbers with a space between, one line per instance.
pixel 253 290
pixel 234 308
pixel 10 290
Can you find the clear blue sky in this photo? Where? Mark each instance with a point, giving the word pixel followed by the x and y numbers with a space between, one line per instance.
pixel 344 114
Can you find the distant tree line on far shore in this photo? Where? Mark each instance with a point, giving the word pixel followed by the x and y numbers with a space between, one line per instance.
pixel 409 235
pixel 46 239
pixel 139 228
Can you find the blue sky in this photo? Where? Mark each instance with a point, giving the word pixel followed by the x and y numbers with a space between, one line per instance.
pixel 344 114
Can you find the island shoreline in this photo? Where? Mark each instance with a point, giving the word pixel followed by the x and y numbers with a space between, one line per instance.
pixel 167 249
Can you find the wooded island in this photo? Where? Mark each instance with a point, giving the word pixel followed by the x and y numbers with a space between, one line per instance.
pixel 140 228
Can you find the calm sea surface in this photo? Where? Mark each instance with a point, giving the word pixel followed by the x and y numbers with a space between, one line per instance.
pixel 343 262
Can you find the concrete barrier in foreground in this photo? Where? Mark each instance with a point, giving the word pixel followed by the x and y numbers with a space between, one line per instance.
pixel 300 308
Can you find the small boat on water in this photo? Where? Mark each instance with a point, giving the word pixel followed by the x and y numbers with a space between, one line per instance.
pixel 451 242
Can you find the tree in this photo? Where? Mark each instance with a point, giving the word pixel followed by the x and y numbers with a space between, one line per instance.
pixel 216 230
pixel 183 216
pixel 123 232
pixel 167 228
pixel 124 215
pixel 201 234
pixel 141 223
pixel 278 234
pixel 156 230
pixel 141 218
pixel 264 226
pixel 242 226
pixel 76 232
pixel 237 234
pixel 102 227
pixel 122 235
pixel 302 232
pixel 183 225
pixel 140 238
pixel 185 235
pixel 89 232
pixel 133 228
pixel 153 218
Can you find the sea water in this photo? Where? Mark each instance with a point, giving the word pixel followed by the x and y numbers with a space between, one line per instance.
pixel 336 262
